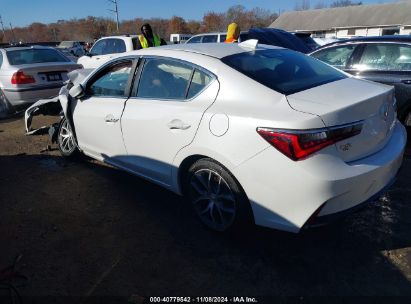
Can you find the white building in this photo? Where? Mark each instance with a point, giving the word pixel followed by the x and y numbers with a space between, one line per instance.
pixel 346 22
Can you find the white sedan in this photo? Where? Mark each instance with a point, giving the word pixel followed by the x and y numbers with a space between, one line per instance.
pixel 247 132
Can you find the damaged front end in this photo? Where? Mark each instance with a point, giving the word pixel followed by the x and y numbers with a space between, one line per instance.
pixel 57 106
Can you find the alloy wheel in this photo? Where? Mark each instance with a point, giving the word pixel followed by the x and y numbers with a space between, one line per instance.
pixel 213 199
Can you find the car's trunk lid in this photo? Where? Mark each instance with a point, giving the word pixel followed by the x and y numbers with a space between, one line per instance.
pixel 347 101
pixel 47 73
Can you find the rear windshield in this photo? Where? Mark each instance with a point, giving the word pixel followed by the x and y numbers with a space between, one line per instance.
pixel 284 71
pixel 29 56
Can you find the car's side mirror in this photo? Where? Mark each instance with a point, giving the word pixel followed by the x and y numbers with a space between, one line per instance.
pixel 77 91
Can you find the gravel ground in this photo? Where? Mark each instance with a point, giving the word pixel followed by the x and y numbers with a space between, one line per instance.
pixel 87 230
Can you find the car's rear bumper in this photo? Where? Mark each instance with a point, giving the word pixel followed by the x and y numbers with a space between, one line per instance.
pixel 285 194
pixel 28 95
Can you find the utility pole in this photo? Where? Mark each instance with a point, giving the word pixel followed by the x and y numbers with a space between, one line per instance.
pixel 12 32
pixel 115 11
pixel 2 27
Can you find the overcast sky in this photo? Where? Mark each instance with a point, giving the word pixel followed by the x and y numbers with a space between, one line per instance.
pixel 25 12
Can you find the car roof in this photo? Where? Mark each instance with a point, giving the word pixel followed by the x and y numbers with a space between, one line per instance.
pixel 17 48
pixel 216 50
pixel 387 38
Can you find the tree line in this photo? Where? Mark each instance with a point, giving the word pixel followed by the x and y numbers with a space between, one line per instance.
pixel 90 28
pixel 302 5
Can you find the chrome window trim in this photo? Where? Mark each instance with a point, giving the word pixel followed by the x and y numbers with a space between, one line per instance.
pixel 194 67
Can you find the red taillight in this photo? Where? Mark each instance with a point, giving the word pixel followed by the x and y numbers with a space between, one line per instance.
pixel 297 144
pixel 21 78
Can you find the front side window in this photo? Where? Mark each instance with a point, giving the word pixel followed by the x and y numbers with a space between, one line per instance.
pixel 210 38
pixel 112 82
pixel 283 70
pixel 337 56
pixel 29 56
pixel 164 79
pixel 386 57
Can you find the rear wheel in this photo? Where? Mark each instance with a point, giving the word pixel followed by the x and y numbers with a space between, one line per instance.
pixel 65 139
pixel 216 196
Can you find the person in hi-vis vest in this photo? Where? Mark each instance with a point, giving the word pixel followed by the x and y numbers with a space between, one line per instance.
pixel 233 32
pixel 148 39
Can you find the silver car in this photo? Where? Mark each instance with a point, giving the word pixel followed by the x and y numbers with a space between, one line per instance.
pixel 28 74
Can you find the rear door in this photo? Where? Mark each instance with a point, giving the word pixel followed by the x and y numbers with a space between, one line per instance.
pixel 163 113
pixel 388 63
pixel 97 115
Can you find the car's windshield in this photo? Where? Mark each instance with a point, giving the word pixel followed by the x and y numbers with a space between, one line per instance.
pixel 283 70
pixel 29 56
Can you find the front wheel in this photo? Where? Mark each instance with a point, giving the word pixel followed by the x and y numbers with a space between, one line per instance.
pixel 65 139
pixel 216 196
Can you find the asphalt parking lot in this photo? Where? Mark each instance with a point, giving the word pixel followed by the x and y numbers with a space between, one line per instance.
pixel 85 229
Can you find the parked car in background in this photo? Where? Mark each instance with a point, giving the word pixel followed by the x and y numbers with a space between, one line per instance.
pixel 385 59
pixel 269 36
pixel 307 40
pixel 68 54
pixel 28 74
pixel 105 48
pixel 247 133
pixel 74 47
pixel 324 41
pixel 278 37
pixel 208 38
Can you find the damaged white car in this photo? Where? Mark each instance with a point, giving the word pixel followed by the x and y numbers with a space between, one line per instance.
pixel 247 133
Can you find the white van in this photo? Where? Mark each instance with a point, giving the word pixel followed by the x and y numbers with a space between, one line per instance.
pixel 179 38
pixel 214 37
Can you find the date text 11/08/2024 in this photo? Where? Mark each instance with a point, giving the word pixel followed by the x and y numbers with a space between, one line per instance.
pixel 203 300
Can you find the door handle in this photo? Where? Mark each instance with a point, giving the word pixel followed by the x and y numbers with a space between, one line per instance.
pixel 406 81
pixel 177 124
pixel 110 118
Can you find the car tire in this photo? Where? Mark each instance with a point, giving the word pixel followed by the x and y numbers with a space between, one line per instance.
pixel 216 197
pixel 66 141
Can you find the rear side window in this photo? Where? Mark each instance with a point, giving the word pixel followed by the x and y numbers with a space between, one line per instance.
pixel 29 56
pixel 199 81
pixel 336 56
pixel 284 71
pixel 164 79
pixel 1 59
pixel 387 57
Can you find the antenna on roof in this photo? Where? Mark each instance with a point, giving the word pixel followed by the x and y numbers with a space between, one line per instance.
pixel 249 44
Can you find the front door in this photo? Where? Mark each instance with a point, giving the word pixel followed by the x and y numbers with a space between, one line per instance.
pixel 97 115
